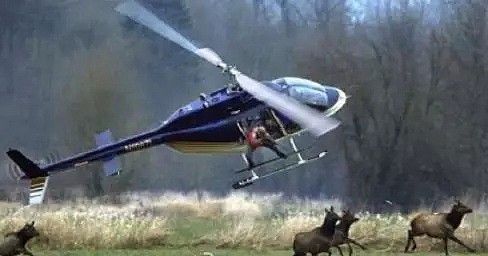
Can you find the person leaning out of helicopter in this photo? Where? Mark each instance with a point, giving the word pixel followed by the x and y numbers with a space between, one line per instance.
pixel 258 136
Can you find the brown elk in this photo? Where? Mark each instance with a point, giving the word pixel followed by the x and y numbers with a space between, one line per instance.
pixel 318 239
pixel 438 225
pixel 341 233
pixel 15 242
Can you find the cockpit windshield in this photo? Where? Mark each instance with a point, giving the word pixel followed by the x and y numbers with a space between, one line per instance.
pixel 304 90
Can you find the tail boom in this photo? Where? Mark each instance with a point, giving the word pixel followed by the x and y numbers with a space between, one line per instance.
pixel 38 176
pixel 107 153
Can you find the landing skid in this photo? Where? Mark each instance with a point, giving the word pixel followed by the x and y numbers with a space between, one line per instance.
pixel 273 160
pixel 249 181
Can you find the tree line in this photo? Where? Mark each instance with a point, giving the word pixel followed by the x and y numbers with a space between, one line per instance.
pixel 414 128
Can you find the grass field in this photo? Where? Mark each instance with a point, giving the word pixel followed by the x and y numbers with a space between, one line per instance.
pixel 210 252
pixel 239 224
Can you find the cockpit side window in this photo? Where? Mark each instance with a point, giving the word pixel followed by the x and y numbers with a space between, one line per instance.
pixel 291 81
pixel 280 81
pixel 275 86
pixel 308 95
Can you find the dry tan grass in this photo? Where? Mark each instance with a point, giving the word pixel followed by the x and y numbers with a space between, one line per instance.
pixel 250 221
pixel 235 204
pixel 88 225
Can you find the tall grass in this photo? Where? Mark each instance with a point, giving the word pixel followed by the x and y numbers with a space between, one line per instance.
pixel 246 221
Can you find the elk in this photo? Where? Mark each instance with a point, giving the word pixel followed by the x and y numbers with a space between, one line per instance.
pixel 341 234
pixel 438 225
pixel 15 242
pixel 318 239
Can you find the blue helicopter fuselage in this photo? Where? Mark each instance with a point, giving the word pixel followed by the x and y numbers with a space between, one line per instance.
pixel 210 125
pixel 212 128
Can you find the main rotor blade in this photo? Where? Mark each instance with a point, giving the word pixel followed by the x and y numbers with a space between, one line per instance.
pixel 308 118
pixel 316 122
pixel 141 15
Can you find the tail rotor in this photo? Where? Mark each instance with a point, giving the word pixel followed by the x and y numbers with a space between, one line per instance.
pixel 14 172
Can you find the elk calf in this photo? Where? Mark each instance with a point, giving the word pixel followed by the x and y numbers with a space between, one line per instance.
pixel 341 233
pixel 15 242
pixel 318 239
pixel 438 225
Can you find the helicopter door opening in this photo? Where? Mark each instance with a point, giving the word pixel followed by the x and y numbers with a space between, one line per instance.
pixel 266 118
pixel 273 125
pixel 285 133
pixel 277 123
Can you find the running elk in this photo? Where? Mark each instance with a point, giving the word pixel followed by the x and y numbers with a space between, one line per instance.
pixel 15 242
pixel 438 225
pixel 341 233
pixel 318 239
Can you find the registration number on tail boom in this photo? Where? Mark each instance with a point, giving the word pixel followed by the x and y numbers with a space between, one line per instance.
pixel 138 145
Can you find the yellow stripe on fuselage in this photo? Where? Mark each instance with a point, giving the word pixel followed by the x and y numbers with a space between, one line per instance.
pixel 206 147
pixel 239 147
pixel 202 147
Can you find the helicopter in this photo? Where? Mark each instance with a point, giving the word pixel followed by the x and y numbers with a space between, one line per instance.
pixel 213 123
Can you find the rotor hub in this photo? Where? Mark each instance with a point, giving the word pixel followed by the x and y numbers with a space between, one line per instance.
pixel 232 71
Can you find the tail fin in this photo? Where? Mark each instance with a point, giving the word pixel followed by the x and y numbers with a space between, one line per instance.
pixel 30 169
pixel 38 177
pixel 111 165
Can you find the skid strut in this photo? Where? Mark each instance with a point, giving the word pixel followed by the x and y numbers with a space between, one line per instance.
pixel 283 130
pixel 299 155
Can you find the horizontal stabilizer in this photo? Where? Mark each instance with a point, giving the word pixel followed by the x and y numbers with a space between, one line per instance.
pixel 111 165
pixel 104 138
pixel 30 169
pixel 37 190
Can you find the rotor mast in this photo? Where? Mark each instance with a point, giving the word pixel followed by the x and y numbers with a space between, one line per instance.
pixel 234 84
pixel 230 70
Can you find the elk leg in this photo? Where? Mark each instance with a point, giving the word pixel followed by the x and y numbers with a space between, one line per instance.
pixel 409 239
pixel 349 247
pixel 445 245
pixel 356 243
pixel 26 252
pixel 414 244
pixel 455 239
pixel 340 250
